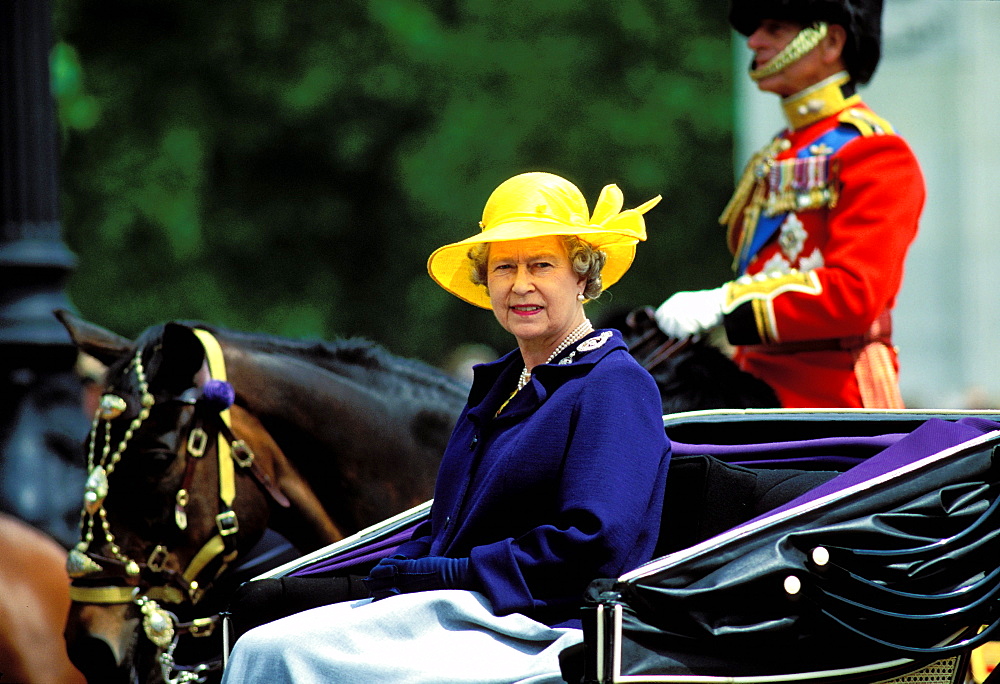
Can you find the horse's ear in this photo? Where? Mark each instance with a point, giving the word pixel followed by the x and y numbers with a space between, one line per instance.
pixel 183 354
pixel 104 345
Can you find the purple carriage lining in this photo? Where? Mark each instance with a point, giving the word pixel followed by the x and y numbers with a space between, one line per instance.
pixel 834 453
pixel 894 451
pixel 823 445
pixel 929 438
pixel 358 556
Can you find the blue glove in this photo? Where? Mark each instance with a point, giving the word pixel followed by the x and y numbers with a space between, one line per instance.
pixel 395 575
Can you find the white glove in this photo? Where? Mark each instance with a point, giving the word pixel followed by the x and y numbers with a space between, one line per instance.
pixel 689 313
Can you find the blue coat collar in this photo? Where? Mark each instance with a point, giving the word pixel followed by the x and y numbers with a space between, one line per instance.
pixel 493 382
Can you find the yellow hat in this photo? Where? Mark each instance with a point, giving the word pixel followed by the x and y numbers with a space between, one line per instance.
pixel 537 204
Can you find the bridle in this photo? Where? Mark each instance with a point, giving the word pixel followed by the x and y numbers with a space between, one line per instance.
pixel 149 583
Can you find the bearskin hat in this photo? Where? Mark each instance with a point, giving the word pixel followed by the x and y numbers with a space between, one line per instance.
pixel 862 19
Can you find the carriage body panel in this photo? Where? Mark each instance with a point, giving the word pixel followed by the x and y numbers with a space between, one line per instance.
pixel 877 575
pixel 717 604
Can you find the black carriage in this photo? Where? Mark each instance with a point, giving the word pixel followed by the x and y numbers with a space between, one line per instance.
pixel 796 546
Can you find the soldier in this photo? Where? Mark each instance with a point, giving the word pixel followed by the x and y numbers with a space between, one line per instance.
pixel 821 220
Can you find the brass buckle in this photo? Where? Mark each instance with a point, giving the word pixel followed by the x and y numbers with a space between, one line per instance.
pixel 197 441
pixel 242 453
pixel 157 559
pixel 202 627
pixel 180 514
pixel 227 523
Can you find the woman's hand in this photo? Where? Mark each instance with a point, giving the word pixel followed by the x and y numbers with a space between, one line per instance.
pixel 396 575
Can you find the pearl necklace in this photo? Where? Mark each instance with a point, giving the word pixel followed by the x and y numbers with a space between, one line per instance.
pixel 581 331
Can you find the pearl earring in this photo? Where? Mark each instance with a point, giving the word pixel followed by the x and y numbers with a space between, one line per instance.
pixel 580 297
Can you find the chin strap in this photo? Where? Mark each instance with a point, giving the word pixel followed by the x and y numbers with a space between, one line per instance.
pixel 806 40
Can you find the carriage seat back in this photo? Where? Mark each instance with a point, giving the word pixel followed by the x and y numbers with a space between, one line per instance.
pixel 706 496
pixel 714 486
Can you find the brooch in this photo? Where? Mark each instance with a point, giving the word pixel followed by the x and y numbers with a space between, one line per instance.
pixel 594 342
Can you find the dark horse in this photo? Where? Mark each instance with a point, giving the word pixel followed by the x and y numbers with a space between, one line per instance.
pixel 195 455
pixel 322 440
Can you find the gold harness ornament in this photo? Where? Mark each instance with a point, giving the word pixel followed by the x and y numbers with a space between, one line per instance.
pixel 79 563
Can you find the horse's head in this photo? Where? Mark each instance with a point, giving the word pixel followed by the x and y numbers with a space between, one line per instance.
pixel 178 489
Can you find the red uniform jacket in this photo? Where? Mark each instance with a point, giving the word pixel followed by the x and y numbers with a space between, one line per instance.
pixel 820 227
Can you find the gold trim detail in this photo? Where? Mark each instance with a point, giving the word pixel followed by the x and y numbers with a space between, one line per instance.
pixel 763 316
pixel 819 101
pixel 768 287
pixel 877 378
pixel 866 121
pixel 760 293
pixel 748 198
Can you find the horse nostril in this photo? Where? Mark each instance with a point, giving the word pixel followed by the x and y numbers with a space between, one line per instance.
pixel 96 661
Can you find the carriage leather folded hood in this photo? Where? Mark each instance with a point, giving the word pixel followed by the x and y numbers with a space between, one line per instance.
pixel 896 559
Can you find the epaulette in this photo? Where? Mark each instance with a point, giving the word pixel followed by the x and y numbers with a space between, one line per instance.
pixel 866 121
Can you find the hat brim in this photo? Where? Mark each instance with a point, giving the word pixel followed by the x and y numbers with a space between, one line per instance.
pixel 449 266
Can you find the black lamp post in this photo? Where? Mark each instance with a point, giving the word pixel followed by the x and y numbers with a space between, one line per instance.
pixel 42 423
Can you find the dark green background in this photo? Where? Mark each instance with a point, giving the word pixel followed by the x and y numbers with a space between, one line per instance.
pixel 288 167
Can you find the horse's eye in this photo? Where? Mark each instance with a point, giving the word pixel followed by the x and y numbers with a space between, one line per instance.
pixel 155 461
pixel 160 456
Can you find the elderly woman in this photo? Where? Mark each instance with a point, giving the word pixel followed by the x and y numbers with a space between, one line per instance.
pixel 554 474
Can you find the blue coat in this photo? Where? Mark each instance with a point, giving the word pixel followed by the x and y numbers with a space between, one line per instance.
pixel 564 486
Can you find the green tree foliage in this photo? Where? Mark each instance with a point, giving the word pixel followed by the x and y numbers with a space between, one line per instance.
pixel 288 167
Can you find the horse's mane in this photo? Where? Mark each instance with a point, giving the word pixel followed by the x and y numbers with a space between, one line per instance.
pixel 343 355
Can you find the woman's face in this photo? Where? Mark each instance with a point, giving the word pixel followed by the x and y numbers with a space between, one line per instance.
pixel 533 290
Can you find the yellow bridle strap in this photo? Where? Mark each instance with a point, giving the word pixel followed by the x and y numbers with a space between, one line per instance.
pixel 166 594
pixel 212 548
pixel 217 369
pixel 106 595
